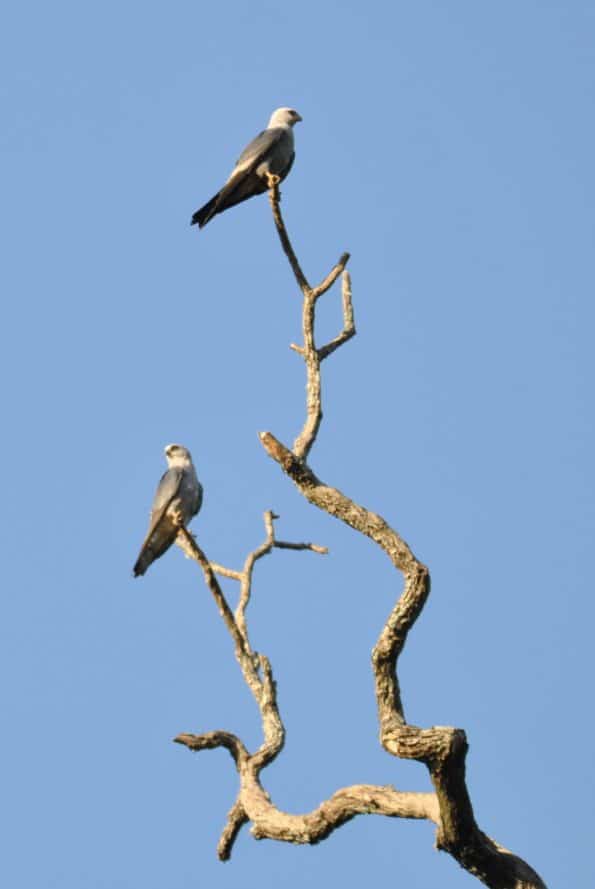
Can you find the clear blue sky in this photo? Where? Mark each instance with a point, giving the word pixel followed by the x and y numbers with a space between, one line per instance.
pixel 450 148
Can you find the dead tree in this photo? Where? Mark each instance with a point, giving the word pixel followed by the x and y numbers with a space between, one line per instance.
pixel 441 749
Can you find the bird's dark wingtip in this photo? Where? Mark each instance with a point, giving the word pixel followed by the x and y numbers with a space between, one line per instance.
pixel 200 219
pixel 206 213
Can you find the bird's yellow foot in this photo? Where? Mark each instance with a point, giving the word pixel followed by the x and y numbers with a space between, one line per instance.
pixel 273 179
pixel 177 517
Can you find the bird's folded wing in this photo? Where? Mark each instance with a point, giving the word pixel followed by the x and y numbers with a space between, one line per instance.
pixel 167 489
pixel 258 149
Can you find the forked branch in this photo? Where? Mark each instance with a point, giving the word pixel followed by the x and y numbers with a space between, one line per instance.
pixel 253 803
pixel 442 749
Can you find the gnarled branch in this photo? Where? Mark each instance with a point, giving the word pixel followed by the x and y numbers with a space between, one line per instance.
pixel 253 803
pixel 442 749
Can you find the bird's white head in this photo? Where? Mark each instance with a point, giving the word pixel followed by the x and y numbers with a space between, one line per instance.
pixel 177 455
pixel 284 117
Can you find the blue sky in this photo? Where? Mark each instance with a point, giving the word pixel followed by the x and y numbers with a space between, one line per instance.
pixel 449 148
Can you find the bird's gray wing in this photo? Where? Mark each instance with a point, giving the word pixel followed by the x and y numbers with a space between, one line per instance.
pixel 243 182
pixel 289 166
pixel 167 489
pixel 196 498
pixel 162 529
pixel 258 149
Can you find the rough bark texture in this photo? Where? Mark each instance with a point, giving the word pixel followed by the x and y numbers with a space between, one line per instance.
pixel 441 749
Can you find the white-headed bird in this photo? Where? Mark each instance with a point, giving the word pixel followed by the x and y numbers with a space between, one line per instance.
pixel 177 499
pixel 265 162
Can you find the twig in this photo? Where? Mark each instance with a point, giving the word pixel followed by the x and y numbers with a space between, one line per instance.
pixel 212 740
pixel 226 572
pixel 348 321
pixel 264 549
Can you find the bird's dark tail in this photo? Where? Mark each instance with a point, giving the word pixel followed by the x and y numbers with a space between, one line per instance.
pixel 146 557
pixel 142 563
pixel 206 213
pixel 156 543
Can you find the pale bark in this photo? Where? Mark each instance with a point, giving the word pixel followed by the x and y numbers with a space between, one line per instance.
pixel 441 749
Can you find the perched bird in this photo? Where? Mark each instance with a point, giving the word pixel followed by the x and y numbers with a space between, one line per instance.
pixel 177 499
pixel 265 162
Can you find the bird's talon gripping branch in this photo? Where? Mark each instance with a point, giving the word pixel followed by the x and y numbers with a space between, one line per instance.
pixel 252 173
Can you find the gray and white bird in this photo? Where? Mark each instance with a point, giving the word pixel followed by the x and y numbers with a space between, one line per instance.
pixel 177 499
pixel 265 162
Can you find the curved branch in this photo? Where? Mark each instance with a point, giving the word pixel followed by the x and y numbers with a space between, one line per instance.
pixel 359 799
pixel 212 740
pixel 273 728
pixel 442 749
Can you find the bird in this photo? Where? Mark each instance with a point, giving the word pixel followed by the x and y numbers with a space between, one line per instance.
pixel 264 163
pixel 178 498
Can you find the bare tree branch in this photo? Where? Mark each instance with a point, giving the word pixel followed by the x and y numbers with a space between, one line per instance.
pixel 348 321
pixel 313 547
pixel 442 749
pixel 212 740
pixel 236 818
pixel 225 572
pixel 264 549
pixel 342 806
pixel 244 654
pixel 313 356
pixel 275 199
pixel 253 803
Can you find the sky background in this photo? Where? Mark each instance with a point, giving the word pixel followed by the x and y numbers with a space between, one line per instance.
pixel 449 148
